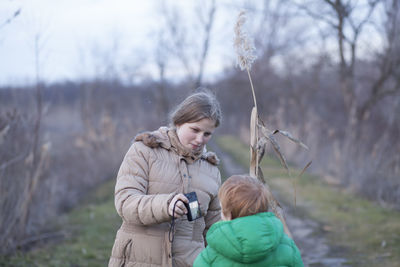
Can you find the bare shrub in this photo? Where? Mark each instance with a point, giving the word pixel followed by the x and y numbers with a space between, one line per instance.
pixel 89 126
pixel 19 176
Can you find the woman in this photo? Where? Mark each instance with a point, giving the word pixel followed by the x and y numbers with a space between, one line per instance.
pixel 158 169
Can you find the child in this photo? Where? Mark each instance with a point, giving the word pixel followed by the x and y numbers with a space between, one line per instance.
pixel 248 234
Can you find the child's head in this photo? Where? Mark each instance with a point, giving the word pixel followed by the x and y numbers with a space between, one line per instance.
pixel 242 195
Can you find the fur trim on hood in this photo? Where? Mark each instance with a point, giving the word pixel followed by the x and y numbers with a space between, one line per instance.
pixel 155 139
pixel 211 157
pixel 160 138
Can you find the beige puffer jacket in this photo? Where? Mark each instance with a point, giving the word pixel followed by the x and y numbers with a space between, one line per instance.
pixel 151 174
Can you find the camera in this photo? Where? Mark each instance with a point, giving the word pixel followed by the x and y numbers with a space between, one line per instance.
pixel 193 206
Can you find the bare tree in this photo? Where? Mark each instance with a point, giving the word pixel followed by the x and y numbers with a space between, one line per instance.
pixel 190 46
pixel 347 19
pixel 38 154
pixel 176 39
pixel 388 81
pixel 365 83
pixel 277 29
pixel 206 22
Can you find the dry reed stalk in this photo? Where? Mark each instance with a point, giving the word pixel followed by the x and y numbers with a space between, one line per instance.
pixel 245 51
pixel 254 158
pixel 259 134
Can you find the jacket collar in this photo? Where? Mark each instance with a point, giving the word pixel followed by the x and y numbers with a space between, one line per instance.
pixel 164 138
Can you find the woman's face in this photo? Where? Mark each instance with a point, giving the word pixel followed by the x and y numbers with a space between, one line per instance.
pixel 194 135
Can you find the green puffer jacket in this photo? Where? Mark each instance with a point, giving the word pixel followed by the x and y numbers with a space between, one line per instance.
pixel 256 240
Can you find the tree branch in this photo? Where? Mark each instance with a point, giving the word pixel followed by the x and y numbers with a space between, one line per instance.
pixel 16 13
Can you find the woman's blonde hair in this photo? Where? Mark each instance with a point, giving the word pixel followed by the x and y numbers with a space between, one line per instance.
pixel 198 106
pixel 242 195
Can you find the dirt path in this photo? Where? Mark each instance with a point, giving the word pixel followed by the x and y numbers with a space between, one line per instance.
pixel 315 249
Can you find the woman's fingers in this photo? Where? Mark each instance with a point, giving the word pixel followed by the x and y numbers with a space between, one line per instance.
pixel 180 208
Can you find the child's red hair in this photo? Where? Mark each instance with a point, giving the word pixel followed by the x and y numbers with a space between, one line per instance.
pixel 242 195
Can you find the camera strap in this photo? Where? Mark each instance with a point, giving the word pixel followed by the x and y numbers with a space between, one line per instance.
pixel 171 232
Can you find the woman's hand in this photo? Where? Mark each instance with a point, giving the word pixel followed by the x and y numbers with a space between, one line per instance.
pixel 180 208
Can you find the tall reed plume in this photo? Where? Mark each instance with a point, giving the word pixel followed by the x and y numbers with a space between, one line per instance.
pixel 245 49
pixel 260 136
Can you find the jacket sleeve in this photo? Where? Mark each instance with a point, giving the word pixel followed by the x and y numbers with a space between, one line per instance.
pixel 297 260
pixel 131 201
pixel 214 210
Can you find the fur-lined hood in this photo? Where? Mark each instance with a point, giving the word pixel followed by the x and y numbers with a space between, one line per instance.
pixel 159 138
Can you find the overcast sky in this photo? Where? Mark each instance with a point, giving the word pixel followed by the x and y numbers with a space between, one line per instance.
pixel 68 29
pixel 73 33
pixel 78 38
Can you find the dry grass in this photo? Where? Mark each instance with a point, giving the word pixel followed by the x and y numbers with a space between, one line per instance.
pixel 89 232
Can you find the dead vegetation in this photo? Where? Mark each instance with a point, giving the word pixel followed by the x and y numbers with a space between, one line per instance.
pixel 260 136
